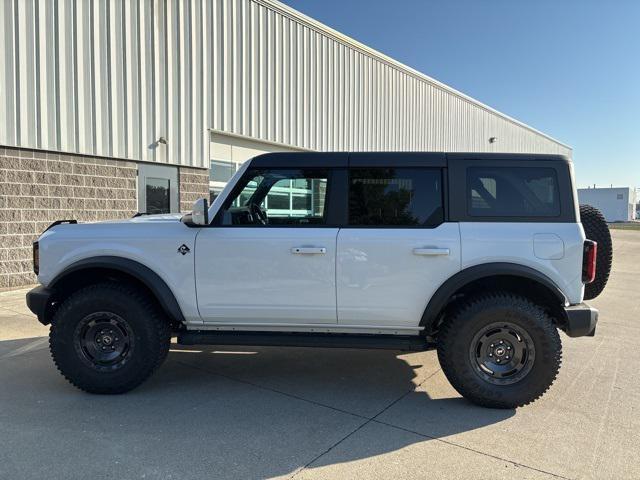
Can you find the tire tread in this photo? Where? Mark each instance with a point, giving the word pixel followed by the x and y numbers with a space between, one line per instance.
pixel 156 320
pixel 466 381
pixel 596 229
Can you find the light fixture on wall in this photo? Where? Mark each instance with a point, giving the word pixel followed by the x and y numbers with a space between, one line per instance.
pixel 493 139
pixel 158 142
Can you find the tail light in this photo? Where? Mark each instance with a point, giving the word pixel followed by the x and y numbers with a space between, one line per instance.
pixel 589 261
pixel 36 258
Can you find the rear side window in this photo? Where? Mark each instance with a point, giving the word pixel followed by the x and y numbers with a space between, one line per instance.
pixel 512 192
pixel 395 197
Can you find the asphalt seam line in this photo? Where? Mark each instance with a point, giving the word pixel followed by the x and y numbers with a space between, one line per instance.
pixel 372 419
pixel 453 444
pixel 368 420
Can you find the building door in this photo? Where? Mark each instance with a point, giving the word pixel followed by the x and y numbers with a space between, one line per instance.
pixel 157 189
pixel 269 256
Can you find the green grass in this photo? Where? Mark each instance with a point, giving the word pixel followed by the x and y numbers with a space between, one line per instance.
pixel 625 226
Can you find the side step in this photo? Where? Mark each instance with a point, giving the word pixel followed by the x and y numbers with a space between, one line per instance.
pixel 296 339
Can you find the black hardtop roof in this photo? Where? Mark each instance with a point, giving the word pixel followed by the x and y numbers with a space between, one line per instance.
pixel 396 159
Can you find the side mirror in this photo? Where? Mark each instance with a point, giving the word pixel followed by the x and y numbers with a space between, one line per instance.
pixel 200 213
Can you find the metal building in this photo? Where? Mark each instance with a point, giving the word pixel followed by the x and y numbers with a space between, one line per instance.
pixel 282 79
pixel 617 204
pixel 110 107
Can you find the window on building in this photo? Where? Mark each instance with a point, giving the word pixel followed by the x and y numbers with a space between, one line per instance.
pixel 395 197
pixel 619 196
pixel 213 194
pixel 512 192
pixel 157 195
pixel 279 197
pixel 221 171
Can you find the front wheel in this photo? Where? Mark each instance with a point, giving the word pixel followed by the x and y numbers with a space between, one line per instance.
pixel 108 338
pixel 500 350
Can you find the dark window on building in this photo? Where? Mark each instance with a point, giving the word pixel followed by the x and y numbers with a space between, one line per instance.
pixel 620 196
pixel 395 197
pixel 512 192
pixel 157 195
pixel 221 171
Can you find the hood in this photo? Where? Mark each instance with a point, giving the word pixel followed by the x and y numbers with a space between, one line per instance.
pixel 159 218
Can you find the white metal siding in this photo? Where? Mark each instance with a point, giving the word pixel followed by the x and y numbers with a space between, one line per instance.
pixel 283 77
pixel 107 77
pixel 616 204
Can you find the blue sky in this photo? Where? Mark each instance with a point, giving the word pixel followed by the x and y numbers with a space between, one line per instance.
pixel 570 68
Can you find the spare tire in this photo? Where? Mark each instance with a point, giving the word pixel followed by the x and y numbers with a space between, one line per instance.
pixel 596 229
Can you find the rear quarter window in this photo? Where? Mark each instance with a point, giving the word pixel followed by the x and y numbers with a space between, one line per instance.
pixel 512 192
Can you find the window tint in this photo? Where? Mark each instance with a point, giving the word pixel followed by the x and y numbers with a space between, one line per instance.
pixel 279 197
pixel 512 192
pixel 395 196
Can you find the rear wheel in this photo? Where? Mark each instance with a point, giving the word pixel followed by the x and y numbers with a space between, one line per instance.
pixel 108 338
pixel 500 350
pixel 596 229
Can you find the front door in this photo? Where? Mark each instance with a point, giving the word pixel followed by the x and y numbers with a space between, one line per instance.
pixel 157 189
pixel 269 256
pixel 396 249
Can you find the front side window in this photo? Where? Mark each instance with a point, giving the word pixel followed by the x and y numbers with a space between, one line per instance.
pixel 409 197
pixel 295 197
pixel 512 192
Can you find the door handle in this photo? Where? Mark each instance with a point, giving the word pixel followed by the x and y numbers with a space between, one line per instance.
pixel 308 250
pixel 431 251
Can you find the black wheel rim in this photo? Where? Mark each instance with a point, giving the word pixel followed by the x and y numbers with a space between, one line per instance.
pixel 502 353
pixel 104 341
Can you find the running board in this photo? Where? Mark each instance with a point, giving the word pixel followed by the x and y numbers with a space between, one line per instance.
pixel 322 340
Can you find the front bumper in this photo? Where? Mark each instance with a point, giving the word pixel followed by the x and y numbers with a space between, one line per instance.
pixel 39 301
pixel 581 320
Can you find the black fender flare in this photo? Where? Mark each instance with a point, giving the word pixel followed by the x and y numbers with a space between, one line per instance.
pixel 444 293
pixel 156 285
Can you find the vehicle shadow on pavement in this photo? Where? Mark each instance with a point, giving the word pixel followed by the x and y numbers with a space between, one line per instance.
pixel 384 390
pixel 241 412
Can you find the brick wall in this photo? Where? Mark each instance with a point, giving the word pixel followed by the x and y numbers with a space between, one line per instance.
pixel 37 188
pixel 194 184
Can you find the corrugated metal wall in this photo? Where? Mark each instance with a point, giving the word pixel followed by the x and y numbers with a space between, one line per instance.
pixel 285 78
pixel 107 77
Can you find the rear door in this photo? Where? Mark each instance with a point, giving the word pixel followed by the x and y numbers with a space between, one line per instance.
pixel 396 249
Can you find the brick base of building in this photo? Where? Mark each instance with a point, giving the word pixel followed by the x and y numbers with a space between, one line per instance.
pixel 37 188
pixel 193 184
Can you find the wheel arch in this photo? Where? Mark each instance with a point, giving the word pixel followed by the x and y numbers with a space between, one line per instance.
pixel 503 276
pixel 97 269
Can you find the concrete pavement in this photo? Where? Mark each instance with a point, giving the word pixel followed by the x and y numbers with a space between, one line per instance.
pixel 215 412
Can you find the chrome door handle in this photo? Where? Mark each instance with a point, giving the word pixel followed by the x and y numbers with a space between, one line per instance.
pixel 308 250
pixel 431 251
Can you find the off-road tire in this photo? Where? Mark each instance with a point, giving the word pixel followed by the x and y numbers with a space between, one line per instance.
pixel 479 312
pixel 150 335
pixel 596 229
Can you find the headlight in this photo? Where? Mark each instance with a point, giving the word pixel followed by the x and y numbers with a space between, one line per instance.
pixel 36 258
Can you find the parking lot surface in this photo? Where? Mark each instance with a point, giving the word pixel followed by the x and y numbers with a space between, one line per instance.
pixel 245 412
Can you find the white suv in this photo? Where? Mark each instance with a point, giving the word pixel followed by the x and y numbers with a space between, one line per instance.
pixel 482 256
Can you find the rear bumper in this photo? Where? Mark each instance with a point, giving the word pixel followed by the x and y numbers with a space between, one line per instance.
pixel 581 320
pixel 39 300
